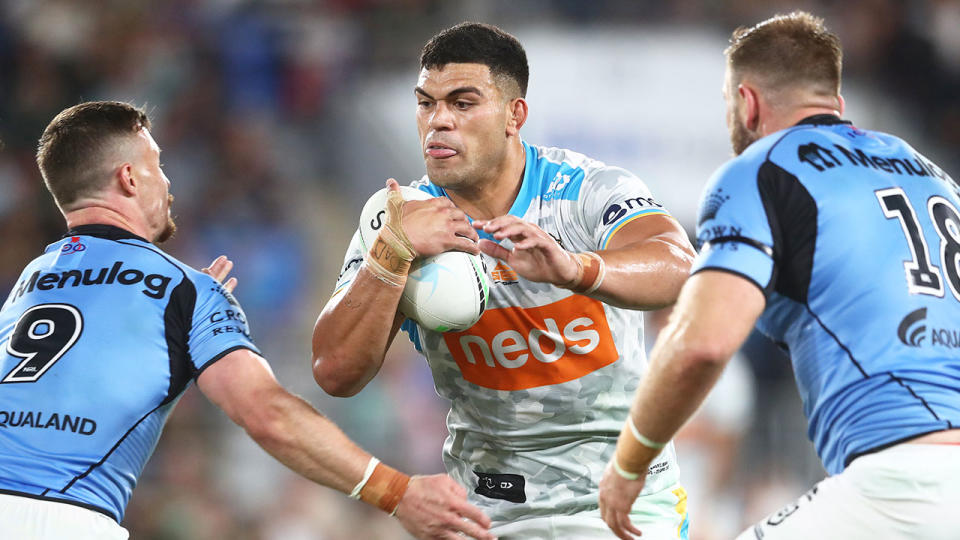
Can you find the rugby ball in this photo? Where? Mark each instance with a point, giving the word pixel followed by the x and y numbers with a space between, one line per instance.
pixel 446 292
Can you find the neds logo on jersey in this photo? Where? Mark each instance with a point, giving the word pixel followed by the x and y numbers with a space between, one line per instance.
pixel 520 348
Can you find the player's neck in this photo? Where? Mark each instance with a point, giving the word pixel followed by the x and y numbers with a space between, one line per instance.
pixel 495 195
pixel 794 116
pixel 97 214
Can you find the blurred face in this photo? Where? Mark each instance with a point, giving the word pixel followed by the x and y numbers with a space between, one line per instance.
pixel 155 187
pixel 740 136
pixel 461 118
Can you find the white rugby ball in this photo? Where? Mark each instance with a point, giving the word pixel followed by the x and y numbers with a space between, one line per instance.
pixel 446 292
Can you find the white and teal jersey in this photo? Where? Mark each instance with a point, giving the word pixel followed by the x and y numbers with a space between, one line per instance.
pixel 100 336
pixel 854 238
pixel 541 386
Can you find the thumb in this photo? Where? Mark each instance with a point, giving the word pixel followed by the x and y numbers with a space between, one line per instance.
pixel 392 185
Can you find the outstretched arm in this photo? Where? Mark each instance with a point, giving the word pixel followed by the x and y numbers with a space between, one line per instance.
pixel 643 267
pixel 292 431
pixel 355 328
pixel 713 317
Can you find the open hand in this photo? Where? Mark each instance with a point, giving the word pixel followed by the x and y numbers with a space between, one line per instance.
pixel 535 256
pixel 219 269
pixel 435 507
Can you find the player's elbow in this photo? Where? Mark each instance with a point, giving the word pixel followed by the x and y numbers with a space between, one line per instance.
pixel 707 355
pixel 332 375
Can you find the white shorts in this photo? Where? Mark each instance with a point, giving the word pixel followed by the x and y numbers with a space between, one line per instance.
pixel 908 492
pixel 660 516
pixel 24 518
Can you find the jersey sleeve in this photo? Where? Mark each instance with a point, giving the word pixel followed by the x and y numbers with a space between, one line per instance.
pixel 610 198
pixel 733 230
pixel 219 325
pixel 351 263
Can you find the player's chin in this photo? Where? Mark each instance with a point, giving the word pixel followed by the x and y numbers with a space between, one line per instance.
pixel 168 232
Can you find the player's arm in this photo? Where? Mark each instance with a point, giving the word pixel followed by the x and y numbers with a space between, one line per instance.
pixel 713 316
pixel 643 266
pixel 242 384
pixel 355 328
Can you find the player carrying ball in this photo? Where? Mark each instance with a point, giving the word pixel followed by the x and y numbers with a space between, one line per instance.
pixel 541 385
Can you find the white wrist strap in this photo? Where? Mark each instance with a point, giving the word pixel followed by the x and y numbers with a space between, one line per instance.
pixel 649 443
pixel 371 465
pixel 621 472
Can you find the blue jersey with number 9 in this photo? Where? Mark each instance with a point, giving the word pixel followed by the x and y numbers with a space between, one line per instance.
pixel 854 239
pixel 98 339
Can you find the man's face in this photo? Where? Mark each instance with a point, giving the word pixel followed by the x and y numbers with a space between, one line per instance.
pixel 462 119
pixel 740 136
pixel 156 199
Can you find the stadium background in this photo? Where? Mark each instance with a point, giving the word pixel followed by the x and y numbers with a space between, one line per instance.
pixel 278 118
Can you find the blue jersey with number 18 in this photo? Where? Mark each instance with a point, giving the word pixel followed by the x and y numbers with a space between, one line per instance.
pixel 98 339
pixel 854 238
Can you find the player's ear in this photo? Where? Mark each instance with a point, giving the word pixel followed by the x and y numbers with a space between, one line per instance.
pixel 842 104
pixel 125 180
pixel 516 116
pixel 751 106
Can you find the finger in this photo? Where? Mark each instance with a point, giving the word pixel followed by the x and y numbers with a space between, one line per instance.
pixel 392 185
pixel 625 525
pixel 230 285
pixel 629 526
pixel 494 249
pixel 465 230
pixel 464 244
pixel 497 223
pixel 513 229
pixel 472 529
pixel 529 242
pixel 472 513
pixel 224 269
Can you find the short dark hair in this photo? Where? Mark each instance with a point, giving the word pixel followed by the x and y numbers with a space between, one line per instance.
pixel 71 151
pixel 787 50
pixel 478 43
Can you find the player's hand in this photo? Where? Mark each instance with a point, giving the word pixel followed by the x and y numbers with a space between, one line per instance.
pixel 219 269
pixel 435 507
pixel 436 225
pixel 617 495
pixel 535 255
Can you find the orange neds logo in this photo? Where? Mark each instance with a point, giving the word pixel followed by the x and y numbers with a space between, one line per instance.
pixel 519 348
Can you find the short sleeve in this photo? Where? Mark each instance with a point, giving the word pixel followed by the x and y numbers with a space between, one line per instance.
pixel 610 198
pixel 219 325
pixel 351 263
pixel 733 230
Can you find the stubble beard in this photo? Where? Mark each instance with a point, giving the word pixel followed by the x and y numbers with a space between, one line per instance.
pixel 170 228
pixel 740 137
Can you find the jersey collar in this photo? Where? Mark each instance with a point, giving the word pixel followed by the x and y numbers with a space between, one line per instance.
pixel 107 232
pixel 823 120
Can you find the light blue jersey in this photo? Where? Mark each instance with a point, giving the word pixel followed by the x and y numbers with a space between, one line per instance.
pixel 854 238
pixel 100 336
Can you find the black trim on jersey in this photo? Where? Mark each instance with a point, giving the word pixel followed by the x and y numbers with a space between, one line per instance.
pixel 792 216
pixel 177 322
pixel 107 232
pixel 208 363
pixel 41 497
pixel 823 120
pixel 914 394
pixel 735 273
pixel 743 240
pixel 105 456
pixel 849 459
pixel 835 338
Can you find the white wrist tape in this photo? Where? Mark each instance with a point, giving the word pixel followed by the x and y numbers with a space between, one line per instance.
pixel 621 472
pixel 371 465
pixel 649 443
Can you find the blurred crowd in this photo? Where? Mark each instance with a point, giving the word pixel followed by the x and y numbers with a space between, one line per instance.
pixel 246 99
